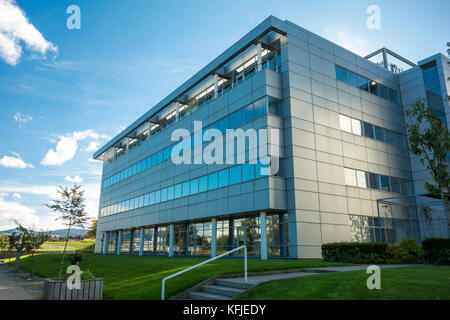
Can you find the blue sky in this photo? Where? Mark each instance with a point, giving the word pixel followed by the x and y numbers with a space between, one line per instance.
pixel 64 93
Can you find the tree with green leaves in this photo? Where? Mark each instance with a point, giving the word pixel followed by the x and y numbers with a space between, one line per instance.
pixel 34 242
pixel 429 139
pixel 92 232
pixel 17 241
pixel 72 212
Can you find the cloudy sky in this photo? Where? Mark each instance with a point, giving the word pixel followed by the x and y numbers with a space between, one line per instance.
pixel 64 93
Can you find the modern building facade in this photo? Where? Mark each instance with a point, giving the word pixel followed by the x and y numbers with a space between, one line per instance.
pixel 341 142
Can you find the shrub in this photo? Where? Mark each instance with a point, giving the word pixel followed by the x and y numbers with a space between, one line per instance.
pixel 406 251
pixel 75 258
pixel 437 251
pixel 86 275
pixel 355 252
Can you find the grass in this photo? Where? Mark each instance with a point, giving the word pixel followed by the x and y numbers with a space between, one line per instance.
pixel 59 245
pixel 134 277
pixel 410 283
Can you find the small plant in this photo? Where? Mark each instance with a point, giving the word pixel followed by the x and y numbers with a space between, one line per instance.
pixel 87 275
pixel 75 258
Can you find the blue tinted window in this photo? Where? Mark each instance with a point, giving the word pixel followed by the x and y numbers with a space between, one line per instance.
pixel 149 162
pixel 202 184
pixel 363 83
pixel 158 196
pixel 248 172
pixel 152 198
pixel 160 156
pixel 235 120
pixel 185 188
pixel 374 88
pixel 223 178
pixel 170 193
pixel 258 168
pixel 384 92
pixel 274 106
pixel 373 181
pixel 379 133
pixel 235 174
pixel 164 194
pixel 368 130
pixel 259 108
pixel 212 181
pixel 147 199
pixel 194 186
pixel 395 185
pixel 247 114
pixel 138 167
pixel 393 96
pixel 166 153
pixel 178 191
pixel 384 183
pixel 352 79
pixel 341 74
pixel 430 74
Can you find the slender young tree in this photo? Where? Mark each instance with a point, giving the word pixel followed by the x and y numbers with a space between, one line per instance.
pixel 72 212
pixel 35 241
pixel 92 232
pixel 429 139
pixel 18 241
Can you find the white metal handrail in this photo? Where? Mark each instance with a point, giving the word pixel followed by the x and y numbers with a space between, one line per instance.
pixel 205 262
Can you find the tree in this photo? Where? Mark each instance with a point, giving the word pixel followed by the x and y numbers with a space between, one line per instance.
pixel 72 212
pixel 429 139
pixel 92 232
pixel 34 242
pixel 17 241
pixel 3 242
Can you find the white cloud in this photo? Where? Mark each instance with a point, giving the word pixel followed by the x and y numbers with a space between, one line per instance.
pixel 14 162
pixel 16 196
pixel 22 118
pixel 10 211
pixel 76 179
pixel 349 40
pixel 67 147
pixel 93 146
pixel 15 27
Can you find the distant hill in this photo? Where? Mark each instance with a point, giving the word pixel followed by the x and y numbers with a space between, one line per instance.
pixel 59 232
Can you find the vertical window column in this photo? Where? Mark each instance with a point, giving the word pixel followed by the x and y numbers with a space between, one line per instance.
pixel 141 243
pixel 213 237
pixel 171 237
pixel 119 241
pixel 262 218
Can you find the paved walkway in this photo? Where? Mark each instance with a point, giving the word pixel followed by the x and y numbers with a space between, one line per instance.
pixel 10 289
pixel 255 280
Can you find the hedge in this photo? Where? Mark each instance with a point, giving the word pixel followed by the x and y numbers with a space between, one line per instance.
pixel 437 251
pixel 355 252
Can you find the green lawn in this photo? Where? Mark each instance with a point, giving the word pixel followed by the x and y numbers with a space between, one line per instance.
pixel 59 245
pixel 134 277
pixel 410 283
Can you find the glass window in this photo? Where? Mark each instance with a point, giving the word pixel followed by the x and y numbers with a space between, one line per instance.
pixel 178 191
pixel 384 183
pixel 259 108
pixel 356 127
pixel 363 83
pixel 152 198
pixel 203 184
pixel 235 174
pixel 223 178
pixel 374 182
pixel 352 79
pixel 374 88
pixel 350 177
pixel 185 188
pixel 223 125
pixel 395 185
pixel 379 133
pixel 341 74
pixel 170 192
pixel 384 92
pixel 430 74
pixel 393 96
pixel 158 196
pixel 247 114
pixel 248 172
pixel 368 130
pixel 361 179
pixel 212 181
pixel 235 119
pixel 274 106
pixel 164 195
pixel 194 186
pixel 345 123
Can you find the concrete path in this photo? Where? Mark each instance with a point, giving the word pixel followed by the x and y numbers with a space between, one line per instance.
pixel 255 280
pixel 11 289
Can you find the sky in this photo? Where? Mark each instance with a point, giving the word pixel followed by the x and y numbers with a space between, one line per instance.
pixel 65 92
